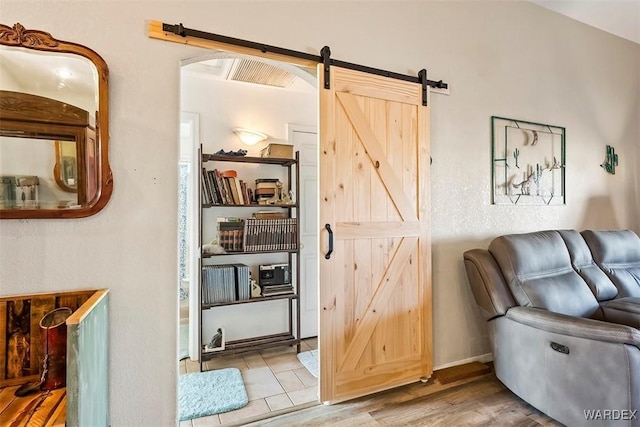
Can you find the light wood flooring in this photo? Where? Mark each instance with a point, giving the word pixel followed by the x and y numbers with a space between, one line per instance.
pixel 43 408
pixel 287 397
pixel 480 401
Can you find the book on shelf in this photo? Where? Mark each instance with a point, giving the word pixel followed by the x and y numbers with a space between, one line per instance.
pixel 227 188
pixel 216 195
pixel 206 190
pixel 269 215
pixel 218 284
pixel 270 234
pixel 213 188
pixel 231 234
pixel 225 283
pixel 265 188
pixel 237 195
pixel 245 192
pixel 276 290
pixel 266 182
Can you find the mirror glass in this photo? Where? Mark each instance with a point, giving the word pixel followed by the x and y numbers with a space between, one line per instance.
pixel 53 127
pixel 31 162
pixel 65 171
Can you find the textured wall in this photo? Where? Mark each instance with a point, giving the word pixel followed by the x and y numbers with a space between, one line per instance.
pixel 510 59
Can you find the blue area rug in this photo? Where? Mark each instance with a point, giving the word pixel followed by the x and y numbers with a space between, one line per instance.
pixel 310 361
pixel 212 392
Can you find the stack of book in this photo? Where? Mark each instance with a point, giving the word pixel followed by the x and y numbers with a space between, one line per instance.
pixel 269 215
pixel 218 284
pixel 265 189
pixel 276 290
pixel 270 234
pixel 231 234
pixel 224 188
pixel 225 283
pixel 243 281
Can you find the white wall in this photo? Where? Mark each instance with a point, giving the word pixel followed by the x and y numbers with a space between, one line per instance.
pixel 224 105
pixel 510 59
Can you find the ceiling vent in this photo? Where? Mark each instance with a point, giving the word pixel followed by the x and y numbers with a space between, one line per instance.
pixel 246 70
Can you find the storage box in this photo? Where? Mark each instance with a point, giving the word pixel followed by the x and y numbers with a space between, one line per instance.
pixel 282 151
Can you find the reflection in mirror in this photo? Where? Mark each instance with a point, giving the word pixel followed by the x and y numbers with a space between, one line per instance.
pixel 39 187
pixel 65 171
pixel 53 127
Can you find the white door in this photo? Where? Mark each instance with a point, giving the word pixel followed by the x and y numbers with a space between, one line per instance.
pixel 305 140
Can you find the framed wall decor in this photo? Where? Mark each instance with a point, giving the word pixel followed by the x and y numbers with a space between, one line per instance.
pixel 527 162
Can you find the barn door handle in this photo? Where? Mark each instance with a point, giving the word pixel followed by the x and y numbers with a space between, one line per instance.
pixel 328 254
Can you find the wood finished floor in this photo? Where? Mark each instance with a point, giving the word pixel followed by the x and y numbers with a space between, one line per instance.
pixel 289 390
pixel 481 401
pixel 477 401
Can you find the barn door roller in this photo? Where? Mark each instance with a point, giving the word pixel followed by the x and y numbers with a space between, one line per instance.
pixel 323 58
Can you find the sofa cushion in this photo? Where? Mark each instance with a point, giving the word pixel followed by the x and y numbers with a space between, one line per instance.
pixel 624 311
pixel 538 271
pixel 617 253
pixel 582 261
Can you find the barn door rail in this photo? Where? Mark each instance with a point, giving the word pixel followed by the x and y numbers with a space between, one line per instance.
pixel 324 58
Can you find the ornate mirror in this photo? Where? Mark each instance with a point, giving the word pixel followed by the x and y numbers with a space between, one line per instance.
pixel 54 159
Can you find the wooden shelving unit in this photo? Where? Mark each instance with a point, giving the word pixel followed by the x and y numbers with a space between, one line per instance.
pixel 290 337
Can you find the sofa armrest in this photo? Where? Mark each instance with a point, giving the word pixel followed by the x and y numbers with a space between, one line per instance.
pixel 575 326
pixel 487 283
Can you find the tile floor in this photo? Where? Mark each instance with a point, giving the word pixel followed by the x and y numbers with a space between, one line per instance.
pixel 274 378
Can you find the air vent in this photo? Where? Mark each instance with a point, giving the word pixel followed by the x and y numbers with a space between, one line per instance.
pixel 249 71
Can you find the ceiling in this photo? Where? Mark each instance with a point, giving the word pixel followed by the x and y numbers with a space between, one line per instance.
pixel 618 17
pixel 244 69
pixel 66 77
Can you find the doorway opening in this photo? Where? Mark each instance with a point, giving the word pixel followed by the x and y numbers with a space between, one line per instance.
pixel 219 93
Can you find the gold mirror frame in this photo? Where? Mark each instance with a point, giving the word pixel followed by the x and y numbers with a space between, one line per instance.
pixel 18 36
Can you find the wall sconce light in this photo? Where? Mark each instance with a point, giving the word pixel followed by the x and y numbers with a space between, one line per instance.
pixel 249 137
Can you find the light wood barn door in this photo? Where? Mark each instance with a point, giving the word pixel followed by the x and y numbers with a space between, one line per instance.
pixel 375 289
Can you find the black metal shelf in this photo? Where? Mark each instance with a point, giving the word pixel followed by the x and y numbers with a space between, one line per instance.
pixel 247 159
pixel 252 205
pixel 274 251
pixel 291 336
pixel 249 301
pixel 252 344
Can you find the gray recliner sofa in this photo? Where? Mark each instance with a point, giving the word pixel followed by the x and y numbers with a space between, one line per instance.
pixel 562 309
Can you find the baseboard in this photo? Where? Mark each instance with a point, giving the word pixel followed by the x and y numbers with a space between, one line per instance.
pixel 483 358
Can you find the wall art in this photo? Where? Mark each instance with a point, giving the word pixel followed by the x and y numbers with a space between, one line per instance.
pixel 528 162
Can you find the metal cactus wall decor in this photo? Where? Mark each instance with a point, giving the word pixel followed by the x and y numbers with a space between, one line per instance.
pixel 610 160
pixel 536 176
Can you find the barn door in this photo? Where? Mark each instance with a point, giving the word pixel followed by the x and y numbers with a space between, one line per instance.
pixel 375 288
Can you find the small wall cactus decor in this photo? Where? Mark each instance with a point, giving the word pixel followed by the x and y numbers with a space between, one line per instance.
pixel 610 160
pixel 528 162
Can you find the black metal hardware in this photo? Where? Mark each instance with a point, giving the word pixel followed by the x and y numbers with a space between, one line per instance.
pixel 325 53
pixel 180 30
pixel 328 254
pixel 560 348
pixel 422 75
